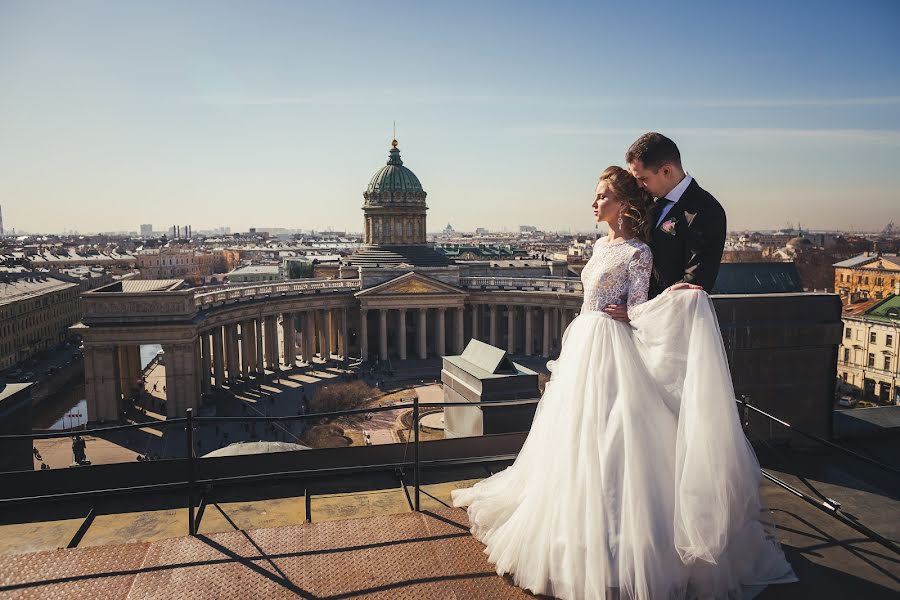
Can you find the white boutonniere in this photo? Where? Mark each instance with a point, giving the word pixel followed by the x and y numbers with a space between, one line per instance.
pixel 668 227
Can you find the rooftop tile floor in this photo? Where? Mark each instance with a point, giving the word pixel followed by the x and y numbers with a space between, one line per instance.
pixel 369 543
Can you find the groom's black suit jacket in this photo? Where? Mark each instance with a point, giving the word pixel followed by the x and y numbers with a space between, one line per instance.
pixel 693 251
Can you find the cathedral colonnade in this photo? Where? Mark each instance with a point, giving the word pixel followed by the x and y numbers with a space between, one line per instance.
pixel 406 318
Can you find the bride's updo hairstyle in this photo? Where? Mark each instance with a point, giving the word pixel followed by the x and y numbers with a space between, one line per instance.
pixel 624 186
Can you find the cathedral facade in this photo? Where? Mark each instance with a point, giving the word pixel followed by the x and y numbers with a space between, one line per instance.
pixel 395 299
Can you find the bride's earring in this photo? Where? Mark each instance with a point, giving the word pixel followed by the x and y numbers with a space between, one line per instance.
pixel 620 221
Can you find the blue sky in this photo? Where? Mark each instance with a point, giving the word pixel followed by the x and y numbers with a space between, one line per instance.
pixel 262 113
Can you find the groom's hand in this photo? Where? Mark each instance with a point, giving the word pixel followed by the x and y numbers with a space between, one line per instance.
pixel 682 286
pixel 619 312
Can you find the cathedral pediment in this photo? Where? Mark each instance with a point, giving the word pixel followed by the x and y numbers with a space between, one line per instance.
pixel 411 284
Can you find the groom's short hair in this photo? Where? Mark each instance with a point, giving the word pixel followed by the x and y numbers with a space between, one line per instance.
pixel 654 150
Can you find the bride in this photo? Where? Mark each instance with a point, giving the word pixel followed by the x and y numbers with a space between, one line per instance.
pixel 636 480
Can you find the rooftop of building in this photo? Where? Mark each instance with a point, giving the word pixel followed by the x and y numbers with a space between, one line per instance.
pixel 256 270
pixel 867 258
pixel 359 536
pixel 69 255
pixel 887 310
pixel 22 288
pixel 139 286
pixel 858 309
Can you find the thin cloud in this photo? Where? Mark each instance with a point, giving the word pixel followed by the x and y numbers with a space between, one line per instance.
pixel 878 136
pixel 774 102
pixel 422 97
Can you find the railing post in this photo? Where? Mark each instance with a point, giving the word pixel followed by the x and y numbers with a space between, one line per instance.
pixel 416 450
pixel 192 526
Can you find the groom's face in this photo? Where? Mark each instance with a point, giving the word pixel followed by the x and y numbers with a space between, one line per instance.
pixel 658 183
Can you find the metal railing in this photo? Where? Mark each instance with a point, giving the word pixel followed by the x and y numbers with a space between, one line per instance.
pixel 192 483
pixel 823 503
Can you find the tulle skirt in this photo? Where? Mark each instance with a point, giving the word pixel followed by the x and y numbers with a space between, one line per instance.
pixel 636 480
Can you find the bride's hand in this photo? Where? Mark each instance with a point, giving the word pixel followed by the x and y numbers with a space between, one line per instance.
pixel 682 286
pixel 619 312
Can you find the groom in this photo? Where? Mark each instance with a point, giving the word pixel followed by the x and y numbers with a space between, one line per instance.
pixel 687 224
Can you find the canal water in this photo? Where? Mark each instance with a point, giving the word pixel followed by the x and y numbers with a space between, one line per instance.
pixel 68 408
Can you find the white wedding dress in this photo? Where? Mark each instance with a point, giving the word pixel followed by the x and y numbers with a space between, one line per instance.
pixel 636 480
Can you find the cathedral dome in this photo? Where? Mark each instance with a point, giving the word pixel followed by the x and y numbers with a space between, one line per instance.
pixel 394 182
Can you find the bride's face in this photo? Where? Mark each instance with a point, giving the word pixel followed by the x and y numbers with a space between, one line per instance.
pixel 606 206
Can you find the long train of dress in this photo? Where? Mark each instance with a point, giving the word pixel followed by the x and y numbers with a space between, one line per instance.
pixel 636 480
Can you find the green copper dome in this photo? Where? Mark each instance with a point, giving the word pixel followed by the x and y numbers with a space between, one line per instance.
pixel 394 182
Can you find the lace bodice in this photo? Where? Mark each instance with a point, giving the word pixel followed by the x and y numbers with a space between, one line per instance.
pixel 617 273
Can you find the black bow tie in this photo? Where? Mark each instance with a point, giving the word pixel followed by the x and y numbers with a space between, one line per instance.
pixel 661 202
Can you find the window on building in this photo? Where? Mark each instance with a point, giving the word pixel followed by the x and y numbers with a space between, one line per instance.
pixel 844 376
pixel 887 363
pixel 848 333
pixel 873 338
pixel 846 354
pixel 871 362
pixel 889 340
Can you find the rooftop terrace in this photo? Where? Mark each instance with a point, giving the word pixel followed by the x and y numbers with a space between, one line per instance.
pixel 359 537
pixel 340 522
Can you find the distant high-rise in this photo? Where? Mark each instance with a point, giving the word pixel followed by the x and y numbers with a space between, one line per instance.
pixel 146 230
pixel 2 233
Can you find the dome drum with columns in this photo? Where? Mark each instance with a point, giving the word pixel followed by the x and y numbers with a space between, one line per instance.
pixel 394 227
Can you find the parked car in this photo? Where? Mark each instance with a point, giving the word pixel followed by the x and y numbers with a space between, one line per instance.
pixel 847 401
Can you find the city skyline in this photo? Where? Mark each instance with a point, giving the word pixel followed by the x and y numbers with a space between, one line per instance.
pixel 223 115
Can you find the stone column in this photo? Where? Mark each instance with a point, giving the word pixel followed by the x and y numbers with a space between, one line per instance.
pixel 182 385
pixel 325 347
pixel 260 356
pixel 247 346
pixel 129 357
pixel 460 330
pixel 345 337
pixel 218 355
pixel 172 381
pixel 493 332
pixel 475 322
pixel 124 380
pixel 423 335
pixel 546 349
pixel 100 384
pixel 511 329
pixel 272 360
pixel 232 353
pixel 206 363
pixel 382 334
pixel 442 332
pixel 336 332
pixel 290 339
pixel 529 333
pixel 363 334
pixel 401 343
pixel 309 336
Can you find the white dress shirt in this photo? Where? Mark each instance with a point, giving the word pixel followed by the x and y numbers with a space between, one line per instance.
pixel 674 196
